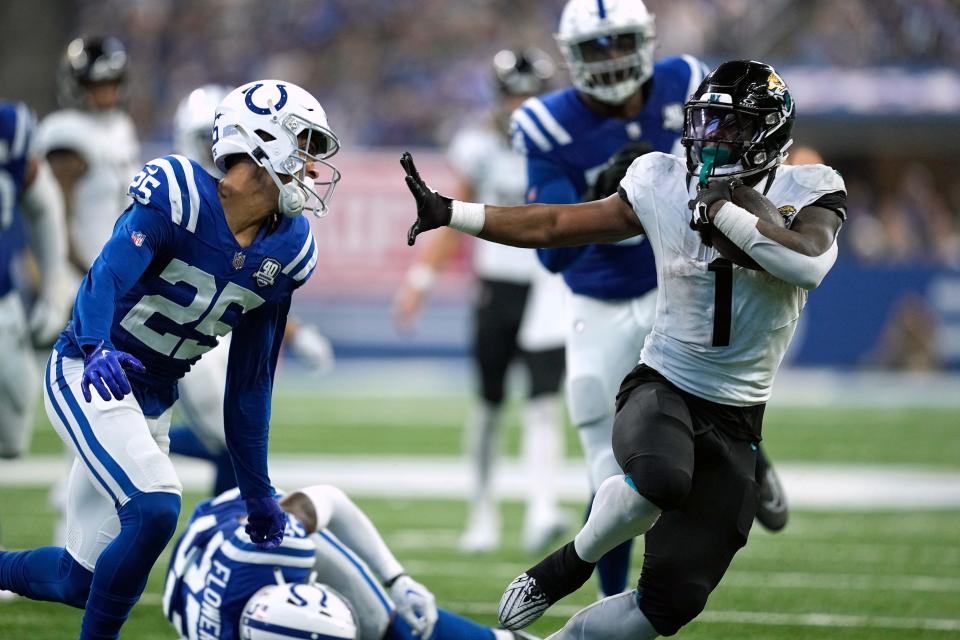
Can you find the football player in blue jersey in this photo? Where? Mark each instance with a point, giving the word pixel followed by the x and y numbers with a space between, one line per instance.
pixel 191 260
pixel 221 586
pixel 579 141
pixel 31 202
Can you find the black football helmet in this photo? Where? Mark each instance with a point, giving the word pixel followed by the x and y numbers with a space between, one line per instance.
pixel 523 72
pixel 88 61
pixel 738 122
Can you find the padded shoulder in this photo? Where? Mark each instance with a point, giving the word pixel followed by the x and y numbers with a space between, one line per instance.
pixel 67 129
pixel 652 168
pixel 469 148
pixel 544 123
pixel 818 178
pixel 169 184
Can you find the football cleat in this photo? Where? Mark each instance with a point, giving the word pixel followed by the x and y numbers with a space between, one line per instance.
pixel 772 511
pixel 522 603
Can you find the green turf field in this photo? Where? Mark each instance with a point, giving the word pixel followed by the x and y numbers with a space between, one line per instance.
pixel 863 575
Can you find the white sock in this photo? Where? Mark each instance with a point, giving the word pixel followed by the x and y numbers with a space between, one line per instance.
pixel 542 449
pixel 619 514
pixel 481 444
pixel 615 618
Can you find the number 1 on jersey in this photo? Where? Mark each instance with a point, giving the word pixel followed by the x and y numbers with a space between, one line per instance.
pixel 722 301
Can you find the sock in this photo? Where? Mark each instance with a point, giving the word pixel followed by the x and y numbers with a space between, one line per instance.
pixel 147 522
pixel 561 573
pixel 482 432
pixel 542 449
pixel 184 442
pixel 449 626
pixel 615 618
pixel 619 514
pixel 47 573
pixel 613 568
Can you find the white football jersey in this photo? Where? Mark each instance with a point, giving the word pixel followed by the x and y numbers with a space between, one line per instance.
pixel 498 175
pixel 720 332
pixel 108 144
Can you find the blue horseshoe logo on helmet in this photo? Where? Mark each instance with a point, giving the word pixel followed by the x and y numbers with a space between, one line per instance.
pixel 261 110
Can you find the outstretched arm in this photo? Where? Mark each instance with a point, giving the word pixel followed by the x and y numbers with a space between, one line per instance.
pixel 536 225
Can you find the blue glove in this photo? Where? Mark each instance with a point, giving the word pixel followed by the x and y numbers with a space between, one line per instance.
pixel 103 369
pixel 265 522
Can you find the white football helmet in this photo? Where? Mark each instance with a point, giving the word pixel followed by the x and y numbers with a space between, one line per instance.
pixel 264 120
pixel 608 46
pixel 193 124
pixel 298 610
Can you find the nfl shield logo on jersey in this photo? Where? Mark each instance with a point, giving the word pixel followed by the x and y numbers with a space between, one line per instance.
pixel 266 274
pixel 138 237
pixel 238 259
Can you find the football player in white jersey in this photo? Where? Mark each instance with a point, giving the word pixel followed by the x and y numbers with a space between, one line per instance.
pixel 220 586
pixel 518 314
pixel 91 144
pixel 733 278
pixel 201 389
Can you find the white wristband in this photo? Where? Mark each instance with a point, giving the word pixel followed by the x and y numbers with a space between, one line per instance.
pixel 420 277
pixel 737 224
pixel 467 217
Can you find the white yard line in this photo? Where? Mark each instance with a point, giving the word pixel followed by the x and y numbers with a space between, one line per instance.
pixel 808 486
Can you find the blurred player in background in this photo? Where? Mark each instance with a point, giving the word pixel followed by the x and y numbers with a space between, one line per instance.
pixel 30 204
pixel 733 281
pixel 191 260
pixel 91 143
pixel 30 201
pixel 218 584
pixel 518 314
pixel 202 387
pixel 579 142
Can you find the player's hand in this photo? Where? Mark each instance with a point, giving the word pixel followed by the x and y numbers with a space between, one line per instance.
pixel 433 209
pixel 609 178
pixel 415 604
pixel 47 320
pixel 406 308
pixel 720 189
pixel 265 522
pixel 104 370
pixel 311 346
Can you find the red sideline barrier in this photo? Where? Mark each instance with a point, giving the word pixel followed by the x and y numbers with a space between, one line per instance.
pixel 363 252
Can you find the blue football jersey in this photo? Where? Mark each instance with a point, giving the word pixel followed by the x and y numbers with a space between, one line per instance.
pixel 567 144
pixel 16 132
pixel 172 279
pixel 215 569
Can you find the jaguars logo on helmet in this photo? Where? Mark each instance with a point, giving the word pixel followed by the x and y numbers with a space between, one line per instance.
pixel 738 122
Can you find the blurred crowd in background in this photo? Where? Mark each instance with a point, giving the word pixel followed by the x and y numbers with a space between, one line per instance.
pixel 407 72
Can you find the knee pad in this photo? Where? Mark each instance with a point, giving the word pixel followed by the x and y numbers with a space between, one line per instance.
pixel 659 481
pixel 589 400
pixel 154 514
pixel 669 610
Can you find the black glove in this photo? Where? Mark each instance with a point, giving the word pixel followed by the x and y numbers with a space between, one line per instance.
pixel 608 180
pixel 718 189
pixel 433 209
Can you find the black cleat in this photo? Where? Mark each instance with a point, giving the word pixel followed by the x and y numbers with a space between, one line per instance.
pixel 772 511
pixel 531 593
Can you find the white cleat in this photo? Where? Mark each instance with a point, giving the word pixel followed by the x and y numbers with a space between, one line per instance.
pixel 7 596
pixel 540 534
pixel 483 532
pixel 522 603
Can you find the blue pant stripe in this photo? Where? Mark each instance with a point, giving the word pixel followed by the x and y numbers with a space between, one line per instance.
pixel 366 576
pixel 66 425
pixel 115 470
